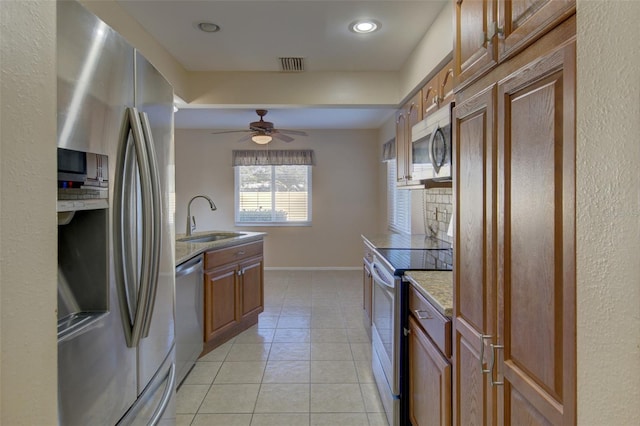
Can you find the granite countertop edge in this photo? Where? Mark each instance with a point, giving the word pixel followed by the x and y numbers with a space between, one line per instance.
pixel 436 287
pixel 398 241
pixel 186 251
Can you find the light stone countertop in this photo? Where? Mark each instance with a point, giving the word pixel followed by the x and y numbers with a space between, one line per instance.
pixel 186 250
pixel 436 287
pixel 402 241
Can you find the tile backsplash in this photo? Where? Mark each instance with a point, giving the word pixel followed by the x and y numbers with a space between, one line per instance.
pixel 431 211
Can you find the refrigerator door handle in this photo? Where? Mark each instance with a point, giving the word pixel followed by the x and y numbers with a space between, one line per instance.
pixel 155 223
pixel 166 396
pixel 124 263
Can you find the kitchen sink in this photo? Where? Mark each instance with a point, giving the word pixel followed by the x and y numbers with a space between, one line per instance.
pixel 208 238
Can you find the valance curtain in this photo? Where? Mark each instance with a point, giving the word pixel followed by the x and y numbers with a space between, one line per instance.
pixel 389 150
pixel 284 157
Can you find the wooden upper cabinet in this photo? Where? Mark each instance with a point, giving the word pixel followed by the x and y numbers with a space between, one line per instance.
pixel 430 94
pixel 475 47
pixel 523 21
pixel 445 85
pixel 401 146
pixel 409 115
pixel 438 91
pixel 535 351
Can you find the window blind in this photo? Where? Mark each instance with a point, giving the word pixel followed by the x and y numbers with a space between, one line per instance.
pixel 398 203
pixel 265 157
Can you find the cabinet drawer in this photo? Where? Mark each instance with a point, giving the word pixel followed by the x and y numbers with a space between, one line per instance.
pixel 228 255
pixel 436 326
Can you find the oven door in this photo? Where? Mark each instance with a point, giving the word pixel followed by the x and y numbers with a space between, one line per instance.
pixel 386 325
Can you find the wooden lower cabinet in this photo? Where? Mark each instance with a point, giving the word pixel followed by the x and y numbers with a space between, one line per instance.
pixel 429 380
pixel 233 292
pixel 220 309
pixel 514 348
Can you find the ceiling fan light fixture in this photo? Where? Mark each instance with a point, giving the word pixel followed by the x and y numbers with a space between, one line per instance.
pixel 261 139
pixel 364 26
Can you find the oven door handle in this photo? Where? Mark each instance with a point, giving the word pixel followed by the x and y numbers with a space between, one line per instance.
pixel 377 277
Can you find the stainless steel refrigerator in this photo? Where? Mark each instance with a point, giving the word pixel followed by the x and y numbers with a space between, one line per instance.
pixel 116 262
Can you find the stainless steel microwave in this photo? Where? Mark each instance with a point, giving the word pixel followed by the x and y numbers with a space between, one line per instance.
pixel 431 146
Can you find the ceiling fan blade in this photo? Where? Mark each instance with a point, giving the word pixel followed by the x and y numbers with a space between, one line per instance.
pixel 282 137
pixel 229 131
pixel 292 132
pixel 246 138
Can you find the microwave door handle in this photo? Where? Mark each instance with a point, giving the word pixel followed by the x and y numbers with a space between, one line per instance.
pixel 155 224
pixel 432 149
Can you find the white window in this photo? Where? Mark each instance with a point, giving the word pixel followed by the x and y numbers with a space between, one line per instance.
pixel 398 202
pixel 272 195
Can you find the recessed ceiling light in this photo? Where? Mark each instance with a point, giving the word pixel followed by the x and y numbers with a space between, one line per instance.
pixel 364 26
pixel 208 27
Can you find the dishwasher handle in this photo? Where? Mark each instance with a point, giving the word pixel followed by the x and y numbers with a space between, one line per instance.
pixel 189 267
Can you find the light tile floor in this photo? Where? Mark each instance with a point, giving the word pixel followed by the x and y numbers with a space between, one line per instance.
pixel 307 362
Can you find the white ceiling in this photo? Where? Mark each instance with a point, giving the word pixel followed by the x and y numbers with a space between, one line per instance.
pixel 255 33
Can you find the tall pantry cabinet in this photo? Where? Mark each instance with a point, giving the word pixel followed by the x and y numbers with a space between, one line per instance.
pixel 514 177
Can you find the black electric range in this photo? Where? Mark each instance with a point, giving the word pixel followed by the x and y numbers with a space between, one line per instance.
pixel 402 260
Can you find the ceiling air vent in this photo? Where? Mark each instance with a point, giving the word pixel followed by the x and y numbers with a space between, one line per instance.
pixel 292 64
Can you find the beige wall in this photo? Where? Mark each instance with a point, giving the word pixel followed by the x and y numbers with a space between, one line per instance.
pixel 28 354
pixel 345 198
pixel 608 205
pixel 435 47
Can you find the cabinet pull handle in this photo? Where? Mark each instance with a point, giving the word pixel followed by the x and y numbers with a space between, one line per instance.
pixel 240 253
pixel 427 316
pixel 493 362
pixel 483 370
pixel 239 273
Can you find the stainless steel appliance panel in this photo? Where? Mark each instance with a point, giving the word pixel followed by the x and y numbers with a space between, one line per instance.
pixel 154 100
pixel 104 372
pixel 189 315
pixel 96 369
pixel 386 332
pixel 156 404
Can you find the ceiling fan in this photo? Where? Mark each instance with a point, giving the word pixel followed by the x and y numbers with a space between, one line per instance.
pixel 262 132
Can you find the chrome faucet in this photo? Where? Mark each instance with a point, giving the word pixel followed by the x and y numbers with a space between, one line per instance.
pixel 191 221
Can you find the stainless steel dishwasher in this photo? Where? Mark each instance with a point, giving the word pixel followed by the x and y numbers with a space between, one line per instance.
pixel 189 315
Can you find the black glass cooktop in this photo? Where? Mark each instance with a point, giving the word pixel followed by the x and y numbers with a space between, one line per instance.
pixel 403 260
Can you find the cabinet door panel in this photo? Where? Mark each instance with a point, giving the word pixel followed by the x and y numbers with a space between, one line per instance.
pixel 414 115
pixel 429 381
pixel 445 83
pixel 474 271
pixel 401 147
pixel 475 227
pixel 220 308
pixel 252 288
pixel 430 97
pixel 475 51
pixel 474 398
pixel 525 20
pixel 536 183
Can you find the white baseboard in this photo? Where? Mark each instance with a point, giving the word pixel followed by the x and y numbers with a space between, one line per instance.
pixel 313 268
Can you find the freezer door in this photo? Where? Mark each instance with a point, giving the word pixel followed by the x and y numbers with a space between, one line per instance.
pixel 156 404
pixel 154 101
pixel 96 369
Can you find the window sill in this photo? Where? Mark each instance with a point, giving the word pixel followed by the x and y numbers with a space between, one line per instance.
pixel 271 224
